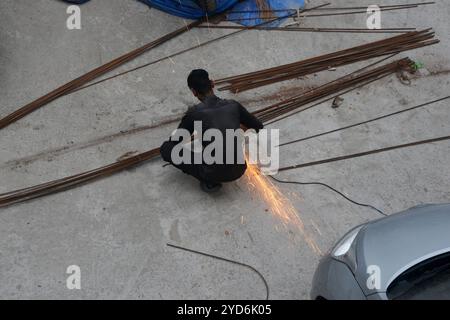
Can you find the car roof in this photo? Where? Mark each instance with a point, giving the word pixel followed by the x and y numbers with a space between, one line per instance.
pixel 400 241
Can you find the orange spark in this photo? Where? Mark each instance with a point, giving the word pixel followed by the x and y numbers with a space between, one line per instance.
pixel 279 205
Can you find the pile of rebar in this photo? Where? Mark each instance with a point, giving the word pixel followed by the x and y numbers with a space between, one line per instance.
pixel 357 78
pixel 396 44
pixel 303 29
pixel 346 8
pixel 97 72
pixel 270 114
pixel 334 11
pixel 75 180
pixel 84 80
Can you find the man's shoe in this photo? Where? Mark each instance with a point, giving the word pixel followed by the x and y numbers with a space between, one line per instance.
pixel 210 187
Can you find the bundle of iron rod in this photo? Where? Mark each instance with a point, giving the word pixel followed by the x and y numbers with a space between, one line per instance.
pixel 186 50
pixel 396 44
pixel 97 72
pixel 82 81
pixel 264 114
pixel 345 11
pixel 75 180
pixel 365 153
pixel 335 8
pixel 294 103
pixel 358 124
pixel 325 30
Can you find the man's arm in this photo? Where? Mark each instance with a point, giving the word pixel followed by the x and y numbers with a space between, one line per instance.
pixel 249 120
pixel 187 123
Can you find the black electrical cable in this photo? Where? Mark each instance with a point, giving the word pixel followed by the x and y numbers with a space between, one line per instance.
pixel 332 189
pixel 347 127
pixel 226 260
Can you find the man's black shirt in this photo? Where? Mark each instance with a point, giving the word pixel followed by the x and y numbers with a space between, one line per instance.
pixel 220 114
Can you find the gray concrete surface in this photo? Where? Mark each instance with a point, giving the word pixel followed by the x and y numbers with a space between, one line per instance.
pixel 116 229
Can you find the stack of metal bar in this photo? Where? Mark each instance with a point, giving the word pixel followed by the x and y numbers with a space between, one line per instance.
pixel 97 72
pixel 400 43
pixel 270 114
pixel 75 180
pixel 354 79
pixel 358 78
pixel 329 11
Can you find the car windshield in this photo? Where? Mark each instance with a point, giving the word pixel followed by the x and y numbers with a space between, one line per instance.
pixel 429 280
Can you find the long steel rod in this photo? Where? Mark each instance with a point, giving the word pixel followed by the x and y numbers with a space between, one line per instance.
pixel 332 14
pixel 251 80
pixel 187 50
pixel 363 154
pixel 368 46
pixel 334 8
pixel 82 80
pixel 95 73
pixel 78 179
pixel 329 59
pixel 277 119
pixel 354 80
pixel 426 104
pixel 169 56
pixel 324 30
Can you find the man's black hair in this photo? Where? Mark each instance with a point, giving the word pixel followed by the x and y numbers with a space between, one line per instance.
pixel 199 81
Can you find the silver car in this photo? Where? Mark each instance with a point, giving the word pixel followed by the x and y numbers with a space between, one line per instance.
pixel 404 256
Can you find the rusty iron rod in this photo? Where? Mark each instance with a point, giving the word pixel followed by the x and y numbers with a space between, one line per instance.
pixel 170 56
pixel 368 46
pixel 387 44
pixel 324 30
pixel 95 73
pixel 187 50
pixel 426 104
pixel 332 14
pixel 317 103
pixel 77 83
pixel 366 153
pixel 279 109
pixel 335 8
pixel 403 42
pixel 40 190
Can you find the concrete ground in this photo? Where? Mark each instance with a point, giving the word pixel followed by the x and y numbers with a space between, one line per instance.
pixel 116 229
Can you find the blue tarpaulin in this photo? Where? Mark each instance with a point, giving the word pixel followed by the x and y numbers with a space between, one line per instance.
pixel 194 9
pixel 246 18
pixel 190 9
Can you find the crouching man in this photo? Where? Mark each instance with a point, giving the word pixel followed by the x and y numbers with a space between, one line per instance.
pixel 221 116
